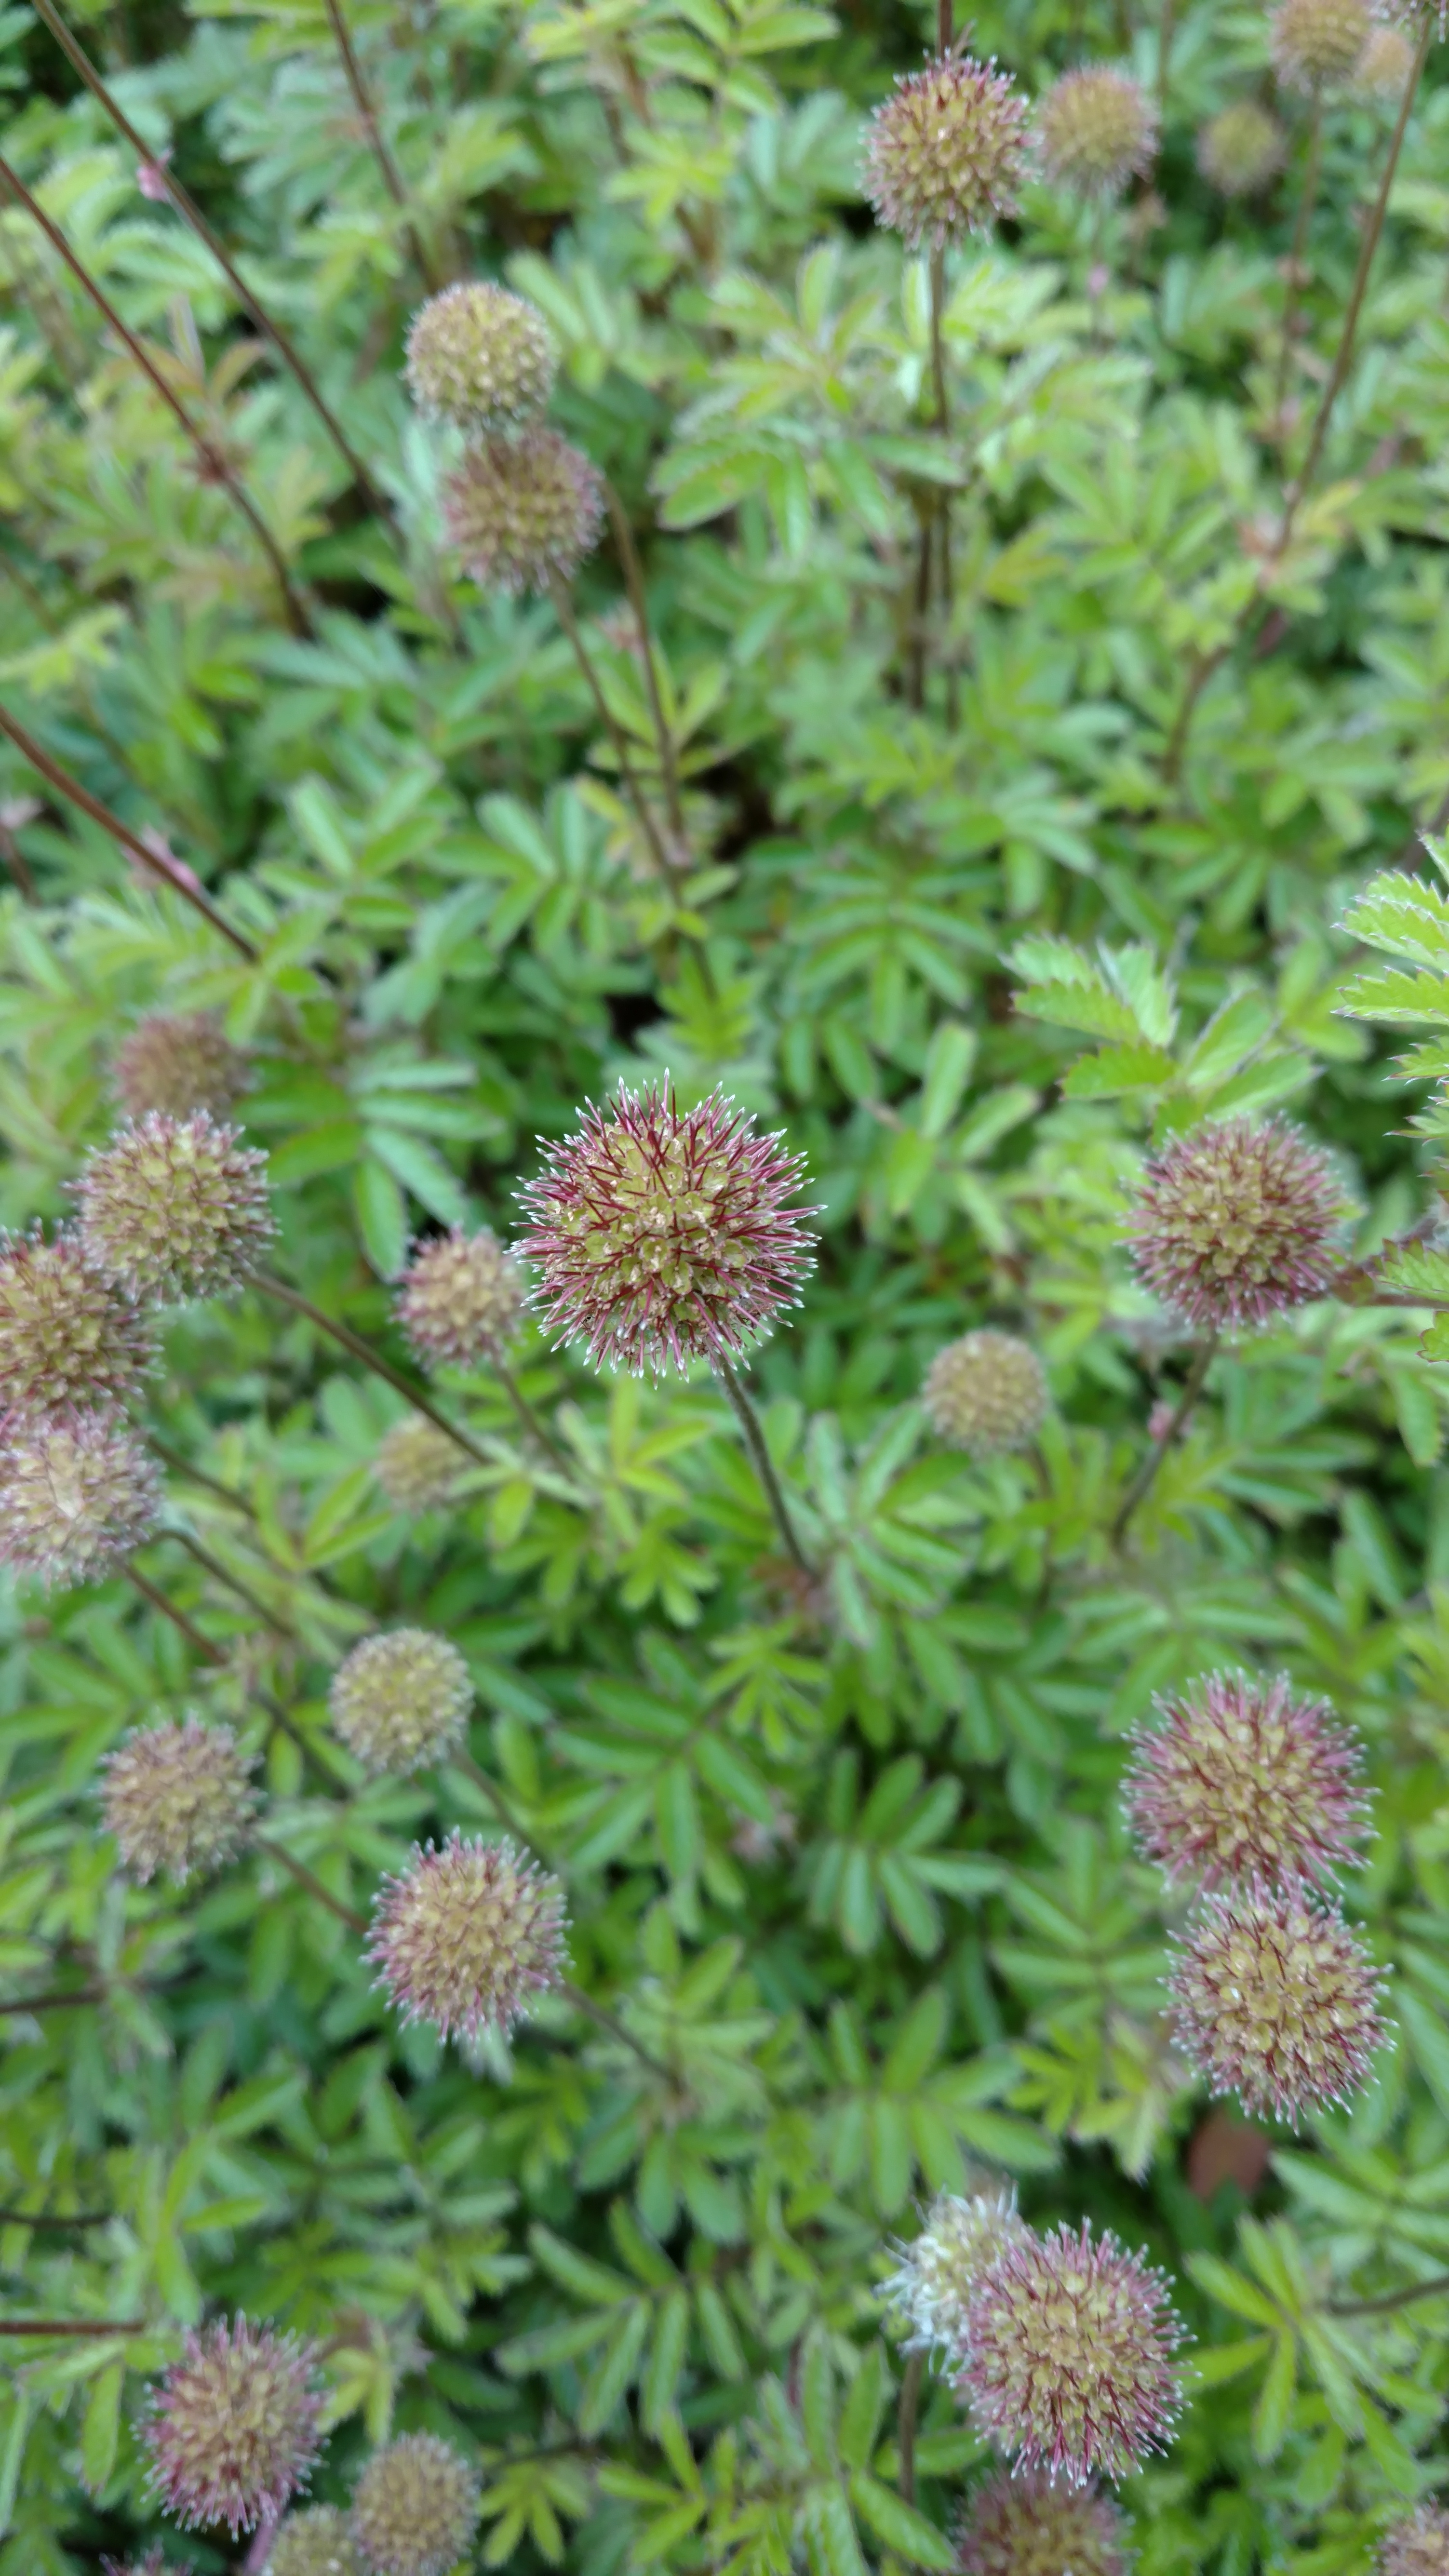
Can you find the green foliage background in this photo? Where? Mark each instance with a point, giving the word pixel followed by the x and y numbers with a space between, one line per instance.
pixel 851 1868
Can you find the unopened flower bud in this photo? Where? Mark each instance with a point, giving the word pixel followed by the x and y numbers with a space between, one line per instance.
pixel 1318 42
pixel 1385 64
pixel 937 2273
pixel 415 2508
pixel 417 1465
pixel 1241 148
pixel 317 2542
pixel 76 1496
pixel 1069 2347
pixel 662 1234
pixel 986 1393
pixel 401 1700
pixel 947 150
pixel 178 1066
pixel 1098 129
pixel 1025 2526
pixel 1275 1999
pixel 523 513
pixel 68 1336
pixel 1236 1224
pixel 178 1799
pixel 175 1207
pixel 233 2427
pixel 460 1299
pixel 480 357
pixel 465 1938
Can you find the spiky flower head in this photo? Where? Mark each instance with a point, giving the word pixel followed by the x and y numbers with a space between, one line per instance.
pixel 415 2508
pixel 75 1497
pixel 68 1335
pixel 1275 1999
pixel 1384 66
pixel 523 512
pixel 1241 148
pixel 662 1233
pixel 417 1465
pixel 480 357
pixel 1236 1223
pixel 1098 129
pixel 460 1299
pixel 1025 2526
pixel 1417 2546
pixel 1242 1779
pixel 947 150
pixel 465 1937
pixel 178 1066
pixel 1069 2349
pixel 233 2427
pixel 155 2563
pixel 986 1393
pixel 401 1700
pixel 940 2268
pixel 176 1207
pixel 315 2543
pixel 1318 42
pixel 177 1798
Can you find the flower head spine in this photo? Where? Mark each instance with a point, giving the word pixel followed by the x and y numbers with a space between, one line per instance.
pixel 662 1235
pixel 1069 2356
pixel 233 2428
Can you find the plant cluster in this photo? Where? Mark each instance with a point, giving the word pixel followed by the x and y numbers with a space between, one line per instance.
pixel 722 1347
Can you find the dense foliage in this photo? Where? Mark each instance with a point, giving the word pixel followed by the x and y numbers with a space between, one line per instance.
pixel 973 706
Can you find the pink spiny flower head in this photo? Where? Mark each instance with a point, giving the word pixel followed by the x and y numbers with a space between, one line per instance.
pixel 1069 2356
pixel 466 1937
pixel 1417 2546
pixel 1098 129
pixel 1276 1999
pixel 68 1335
pixel 1025 2526
pixel 233 2431
pixel 947 150
pixel 75 1497
pixel 1243 1780
pixel 176 1207
pixel 662 1234
pixel 1236 1223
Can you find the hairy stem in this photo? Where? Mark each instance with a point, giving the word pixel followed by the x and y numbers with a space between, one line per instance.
pixel 529 1417
pixel 347 1340
pixel 1146 1475
pixel 200 1645
pixel 634 584
pixel 187 206
pixel 71 788
pixel 563 610
pixel 213 1566
pixel 211 458
pixel 914 2373
pixel 1436 2288
pixel 72 2325
pixel 762 1463
pixel 1373 231
pixel 307 1878
pixel 182 1466
pixel 1297 255
pixel 391 175
pixel 601 2016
